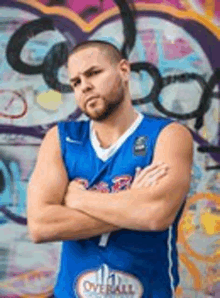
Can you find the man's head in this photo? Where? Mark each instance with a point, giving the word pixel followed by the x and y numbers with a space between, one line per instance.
pixel 97 69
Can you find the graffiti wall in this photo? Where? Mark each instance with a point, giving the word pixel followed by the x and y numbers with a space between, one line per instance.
pixel 173 47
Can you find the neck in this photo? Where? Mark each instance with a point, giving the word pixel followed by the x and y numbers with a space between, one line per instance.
pixel 110 130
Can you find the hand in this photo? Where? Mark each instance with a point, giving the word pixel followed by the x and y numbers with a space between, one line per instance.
pixel 74 194
pixel 150 175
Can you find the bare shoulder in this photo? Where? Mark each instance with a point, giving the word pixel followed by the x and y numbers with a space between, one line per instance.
pixel 50 147
pixel 51 138
pixel 176 129
pixel 49 176
pixel 175 141
pixel 176 133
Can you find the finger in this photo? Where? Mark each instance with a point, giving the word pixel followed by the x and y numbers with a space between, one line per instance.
pixel 140 177
pixel 77 184
pixel 144 171
pixel 137 172
pixel 73 183
pixel 151 170
pixel 146 181
pixel 157 174
pixel 156 179
pixel 82 187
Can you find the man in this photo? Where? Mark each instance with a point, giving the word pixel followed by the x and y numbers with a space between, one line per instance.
pixel 104 188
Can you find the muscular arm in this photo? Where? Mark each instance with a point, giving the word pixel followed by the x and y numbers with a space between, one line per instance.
pixel 48 219
pixel 152 208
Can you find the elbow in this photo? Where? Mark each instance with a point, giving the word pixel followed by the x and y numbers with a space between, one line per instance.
pixel 153 227
pixel 163 223
pixel 160 226
pixel 34 233
pixel 36 239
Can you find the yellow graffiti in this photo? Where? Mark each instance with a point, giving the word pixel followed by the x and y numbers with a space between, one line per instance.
pixel 186 226
pixel 210 222
pixel 50 100
pixel 189 227
pixel 88 27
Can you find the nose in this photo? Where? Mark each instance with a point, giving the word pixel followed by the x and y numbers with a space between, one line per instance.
pixel 86 85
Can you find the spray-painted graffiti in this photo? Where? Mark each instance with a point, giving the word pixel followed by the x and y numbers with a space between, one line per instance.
pixel 174 74
pixel 58 56
pixel 13 192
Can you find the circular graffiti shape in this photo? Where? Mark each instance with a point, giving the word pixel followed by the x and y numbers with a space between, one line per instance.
pixel 19 38
pixel 155 74
pixel 13 104
pixel 188 227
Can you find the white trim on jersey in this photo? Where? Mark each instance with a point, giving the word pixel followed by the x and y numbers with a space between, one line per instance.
pixel 169 242
pixel 104 239
pixel 104 154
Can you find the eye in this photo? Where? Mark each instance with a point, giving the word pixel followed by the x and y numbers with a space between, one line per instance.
pixel 94 72
pixel 76 83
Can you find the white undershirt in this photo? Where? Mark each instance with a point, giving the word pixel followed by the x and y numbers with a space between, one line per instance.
pixel 105 153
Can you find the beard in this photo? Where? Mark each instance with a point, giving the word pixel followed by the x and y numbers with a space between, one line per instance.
pixel 109 107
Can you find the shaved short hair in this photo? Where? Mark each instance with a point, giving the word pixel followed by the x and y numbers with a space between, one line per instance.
pixel 107 48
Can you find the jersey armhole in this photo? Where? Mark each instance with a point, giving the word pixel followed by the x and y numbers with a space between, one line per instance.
pixel 61 138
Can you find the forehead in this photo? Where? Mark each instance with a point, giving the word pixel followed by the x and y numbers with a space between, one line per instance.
pixel 85 58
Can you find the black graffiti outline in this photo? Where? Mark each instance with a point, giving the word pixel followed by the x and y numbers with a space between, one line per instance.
pixel 210 149
pixel 57 56
pixel 19 39
pixel 11 215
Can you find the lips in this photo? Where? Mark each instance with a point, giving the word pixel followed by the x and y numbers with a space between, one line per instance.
pixel 90 99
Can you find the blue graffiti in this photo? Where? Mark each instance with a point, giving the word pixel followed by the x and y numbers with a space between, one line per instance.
pixel 13 194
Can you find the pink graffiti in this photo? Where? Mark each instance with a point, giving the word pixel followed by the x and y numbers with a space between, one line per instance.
pixel 176 49
pixel 176 3
pixel 148 39
pixel 80 6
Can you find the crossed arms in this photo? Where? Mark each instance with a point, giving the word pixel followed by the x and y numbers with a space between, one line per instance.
pixel 59 210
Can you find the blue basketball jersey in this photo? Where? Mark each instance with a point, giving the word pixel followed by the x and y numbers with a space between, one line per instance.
pixel 124 263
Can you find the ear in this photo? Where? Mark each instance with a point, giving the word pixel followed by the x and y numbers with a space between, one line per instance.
pixel 124 69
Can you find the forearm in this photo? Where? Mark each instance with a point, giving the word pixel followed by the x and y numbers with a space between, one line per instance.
pixel 59 223
pixel 129 209
pixel 137 209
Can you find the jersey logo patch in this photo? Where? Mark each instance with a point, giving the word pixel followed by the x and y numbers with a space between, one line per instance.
pixel 107 283
pixel 140 146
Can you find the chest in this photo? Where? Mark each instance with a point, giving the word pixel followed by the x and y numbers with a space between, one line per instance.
pixel 117 172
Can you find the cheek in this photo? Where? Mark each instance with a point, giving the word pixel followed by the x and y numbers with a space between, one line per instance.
pixel 111 85
pixel 78 101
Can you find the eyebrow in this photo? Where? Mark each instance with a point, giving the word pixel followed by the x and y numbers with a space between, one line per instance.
pixel 85 72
